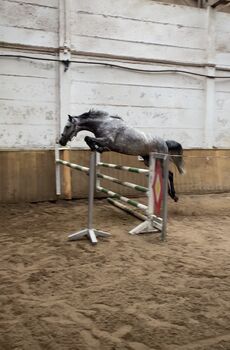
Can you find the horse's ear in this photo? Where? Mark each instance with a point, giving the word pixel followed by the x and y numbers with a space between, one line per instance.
pixel 70 118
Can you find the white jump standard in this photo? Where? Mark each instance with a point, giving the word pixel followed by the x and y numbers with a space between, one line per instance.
pixel 157 193
pixel 90 232
pixel 157 197
pixel 155 218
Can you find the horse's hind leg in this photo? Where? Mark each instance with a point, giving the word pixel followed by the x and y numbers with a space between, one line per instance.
pixel 146 160
pixel 97 144
pixel 171 188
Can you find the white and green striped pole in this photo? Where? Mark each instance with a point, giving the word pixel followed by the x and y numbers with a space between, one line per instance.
pixel 123 183
pixel 122 198
pixel 123 167
pixel 73 166
pixel 103 176
pixel 127 209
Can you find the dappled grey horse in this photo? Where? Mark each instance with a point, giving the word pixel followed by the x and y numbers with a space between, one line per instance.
pixel 113 134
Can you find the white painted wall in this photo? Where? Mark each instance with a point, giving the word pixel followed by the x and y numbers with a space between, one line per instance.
pixel 165 105
pixel 28 103
pixel 37 95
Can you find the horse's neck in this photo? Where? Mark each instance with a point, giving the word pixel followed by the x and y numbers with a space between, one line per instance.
pixel 90 125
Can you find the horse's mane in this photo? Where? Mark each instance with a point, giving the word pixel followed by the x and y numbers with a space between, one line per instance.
pixel 96 114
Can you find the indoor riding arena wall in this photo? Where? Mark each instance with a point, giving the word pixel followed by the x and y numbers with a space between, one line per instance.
pixel 29 176
pixel 158 66
pixel 112 50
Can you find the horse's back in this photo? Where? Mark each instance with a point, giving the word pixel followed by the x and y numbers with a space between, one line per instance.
pixel 134 142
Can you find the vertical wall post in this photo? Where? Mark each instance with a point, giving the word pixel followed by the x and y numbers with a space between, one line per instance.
pixel 67 178
pixel 210 104
pixel 64 89
pixel 65 57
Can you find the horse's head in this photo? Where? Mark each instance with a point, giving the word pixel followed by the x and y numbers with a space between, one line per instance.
pixel 70 130
pixel 176 149
pixel 89 121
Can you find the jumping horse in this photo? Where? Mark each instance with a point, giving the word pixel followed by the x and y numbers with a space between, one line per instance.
pixel 113 134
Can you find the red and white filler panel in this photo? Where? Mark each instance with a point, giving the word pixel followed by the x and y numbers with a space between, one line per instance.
pixel 157 197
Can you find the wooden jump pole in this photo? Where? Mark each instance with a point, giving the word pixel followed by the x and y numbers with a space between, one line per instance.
pixel 67 178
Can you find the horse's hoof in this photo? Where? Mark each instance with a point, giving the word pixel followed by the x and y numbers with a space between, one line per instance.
pixel 100 149
pixel 176 199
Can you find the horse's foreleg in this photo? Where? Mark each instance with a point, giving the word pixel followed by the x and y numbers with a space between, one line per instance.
pixel 90 143
pixel 97 144
pixel 171 188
